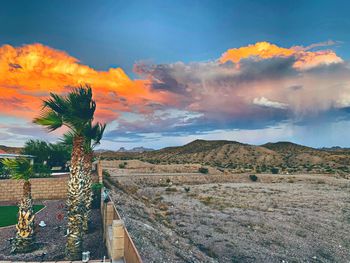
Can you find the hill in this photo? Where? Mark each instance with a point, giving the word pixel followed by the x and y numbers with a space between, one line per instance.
pixel 287 157
pixel 8 149
pixel 135 150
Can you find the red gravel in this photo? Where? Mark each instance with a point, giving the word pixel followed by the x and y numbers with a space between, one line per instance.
pixel 50 239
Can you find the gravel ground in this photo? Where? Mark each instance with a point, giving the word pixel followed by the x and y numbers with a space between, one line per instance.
pixel 298 218
pixel 50 239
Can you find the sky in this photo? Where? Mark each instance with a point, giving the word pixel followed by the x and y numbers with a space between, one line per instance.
pixel 165 73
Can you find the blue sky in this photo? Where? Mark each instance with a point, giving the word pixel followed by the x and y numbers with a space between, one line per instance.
pixel 153 36
pixel 124 32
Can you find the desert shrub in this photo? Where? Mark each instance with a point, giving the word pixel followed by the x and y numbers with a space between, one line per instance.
pixel 253 177
pixel 105 173
pixel 168 180
pixel 163 206
pixel 203 170
pixel 258 170
pixel 274 170
pixel 130 189
pixel 207 200
pixel 122 165
pixel 187 189
pixel 207 250
pixel 171 189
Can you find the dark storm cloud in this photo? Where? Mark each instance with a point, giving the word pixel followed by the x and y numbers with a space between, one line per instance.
pixel 252 94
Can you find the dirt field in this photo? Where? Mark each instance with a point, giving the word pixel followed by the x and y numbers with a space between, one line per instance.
pixel 279 218
pixel 137 167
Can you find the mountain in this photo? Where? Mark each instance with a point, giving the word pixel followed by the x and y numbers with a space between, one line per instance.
pixel 238 157
pixel 285 147
pixel 135 150
pixel 8 149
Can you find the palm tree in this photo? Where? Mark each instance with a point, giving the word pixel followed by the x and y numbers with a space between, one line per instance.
pixel 75 111
pixel 93 134
pixel 21 169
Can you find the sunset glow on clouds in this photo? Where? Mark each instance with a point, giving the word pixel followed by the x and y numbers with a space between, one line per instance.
pixel 253 87
pixel 30 72
pixel 263 50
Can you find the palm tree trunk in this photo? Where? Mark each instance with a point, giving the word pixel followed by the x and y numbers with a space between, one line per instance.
pixel 87 193
pixel 75 200
pixel 87 189
pixel 24 240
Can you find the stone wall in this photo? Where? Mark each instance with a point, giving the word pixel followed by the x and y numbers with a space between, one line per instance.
pixel 42 188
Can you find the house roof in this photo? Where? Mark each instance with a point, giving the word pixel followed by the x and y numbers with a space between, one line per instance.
pixel 2 152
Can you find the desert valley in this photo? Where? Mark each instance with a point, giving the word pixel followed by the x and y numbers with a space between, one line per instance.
pixel 224 201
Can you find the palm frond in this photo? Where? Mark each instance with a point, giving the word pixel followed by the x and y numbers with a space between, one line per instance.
pixel 82 107
pixel 67 138
pixel 56 103
pixel 20 168
pixel 75 110
pixel 99 134
pixel 94 133
pixel 50 119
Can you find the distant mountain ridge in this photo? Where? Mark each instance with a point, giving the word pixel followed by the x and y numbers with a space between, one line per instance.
pixel 239 157
pixel 286 156
pixel 13 150
pixel 135 150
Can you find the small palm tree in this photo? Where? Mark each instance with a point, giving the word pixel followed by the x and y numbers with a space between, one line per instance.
pixel 21 169
pixel 75 111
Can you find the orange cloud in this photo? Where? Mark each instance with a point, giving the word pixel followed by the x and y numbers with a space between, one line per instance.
pixel 265 50
pixel 30 72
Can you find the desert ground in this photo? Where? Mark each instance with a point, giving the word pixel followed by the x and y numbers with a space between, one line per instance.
pixel 230 218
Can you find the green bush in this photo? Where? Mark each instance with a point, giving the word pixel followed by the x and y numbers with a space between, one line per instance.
pixel 274 170
pixel 105 173
pixel 122 165
pixel 51 154
pixel 41 170
pixel 203 170
pixel 253 177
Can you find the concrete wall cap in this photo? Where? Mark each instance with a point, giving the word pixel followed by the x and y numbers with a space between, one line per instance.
pixel 118 223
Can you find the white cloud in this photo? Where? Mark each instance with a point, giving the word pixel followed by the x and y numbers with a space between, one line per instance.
pixel 262 101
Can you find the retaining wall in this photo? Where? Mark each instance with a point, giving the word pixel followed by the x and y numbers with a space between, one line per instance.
pixel 119 244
